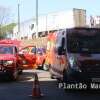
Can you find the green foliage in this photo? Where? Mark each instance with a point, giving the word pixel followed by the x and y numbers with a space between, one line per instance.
pixel 3 36
pixel 6 29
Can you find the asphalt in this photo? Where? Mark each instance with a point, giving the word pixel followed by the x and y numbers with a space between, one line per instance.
pixel 22 89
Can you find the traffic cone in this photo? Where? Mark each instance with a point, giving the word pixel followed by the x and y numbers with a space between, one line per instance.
pixel 36 92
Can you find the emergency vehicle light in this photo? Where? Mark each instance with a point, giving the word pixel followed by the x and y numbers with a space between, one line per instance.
pixel 10 42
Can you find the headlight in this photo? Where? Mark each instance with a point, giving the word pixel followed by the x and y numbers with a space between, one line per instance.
pixel 8 63
pixel 72 61
pixel 24 62
pixel 74 64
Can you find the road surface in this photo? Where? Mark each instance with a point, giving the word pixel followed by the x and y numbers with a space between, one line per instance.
pixel 21 89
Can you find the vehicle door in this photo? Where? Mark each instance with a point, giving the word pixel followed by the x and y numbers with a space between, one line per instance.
pixel 27 57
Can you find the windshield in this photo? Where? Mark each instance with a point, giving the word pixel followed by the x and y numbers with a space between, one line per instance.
pixel 84 41
pixel 33 50
pixel 6 50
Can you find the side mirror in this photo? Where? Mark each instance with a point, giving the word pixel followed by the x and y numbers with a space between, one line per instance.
pixel 23 52
pixel 61 51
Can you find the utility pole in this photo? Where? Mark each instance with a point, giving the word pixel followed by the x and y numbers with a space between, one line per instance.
pixel 18 20
pixel 37 19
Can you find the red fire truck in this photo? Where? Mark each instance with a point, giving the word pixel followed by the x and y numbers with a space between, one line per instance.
pixel 9 58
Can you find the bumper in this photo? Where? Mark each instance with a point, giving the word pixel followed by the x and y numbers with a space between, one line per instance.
pixel 74 76
pixel 4 74
pixel 6 71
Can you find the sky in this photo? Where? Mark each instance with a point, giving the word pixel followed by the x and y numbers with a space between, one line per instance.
pixel 27 7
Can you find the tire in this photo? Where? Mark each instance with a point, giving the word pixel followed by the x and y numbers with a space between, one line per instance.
pixel 45 67
pixel 65 76
pixel 52 77
pixel 40 67
pixel 13 75
pixel 20 72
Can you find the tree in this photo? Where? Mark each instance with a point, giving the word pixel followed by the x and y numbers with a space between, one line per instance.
pixel 8 28
pixel 4 19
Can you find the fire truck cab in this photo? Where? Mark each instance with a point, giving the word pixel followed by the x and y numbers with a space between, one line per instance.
pixel 8 59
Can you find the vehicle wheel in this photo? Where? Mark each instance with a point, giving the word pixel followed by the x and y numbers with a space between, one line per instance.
pixel 45 67
pixel 52 77
pixel 40 67
pixel 13 75
pixel 65 77
pixel 19 69
pixel 20 72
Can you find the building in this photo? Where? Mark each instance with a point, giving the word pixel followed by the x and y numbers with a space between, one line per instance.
pixel 97 21
pixel 51 22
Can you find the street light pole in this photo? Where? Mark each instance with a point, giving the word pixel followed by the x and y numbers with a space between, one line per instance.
pixel 36 18
pixel 18 19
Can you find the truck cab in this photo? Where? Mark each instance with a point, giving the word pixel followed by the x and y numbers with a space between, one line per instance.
pixel 8 59
pixel 83 54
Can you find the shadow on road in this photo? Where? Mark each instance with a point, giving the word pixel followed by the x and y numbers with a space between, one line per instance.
pixel 22 88
pixel 25 76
